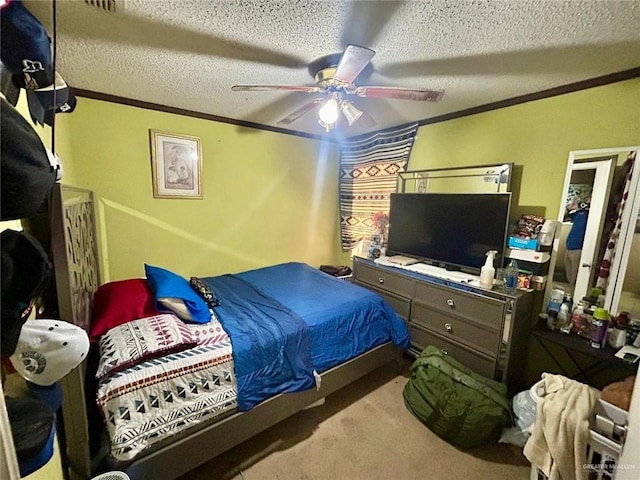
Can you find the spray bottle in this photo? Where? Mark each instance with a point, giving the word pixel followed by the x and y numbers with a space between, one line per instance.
pixel 487 272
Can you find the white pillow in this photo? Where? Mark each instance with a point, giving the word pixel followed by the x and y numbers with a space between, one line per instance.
pixel 177 306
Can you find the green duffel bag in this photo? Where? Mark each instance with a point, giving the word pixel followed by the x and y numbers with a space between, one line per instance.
pixel 457 404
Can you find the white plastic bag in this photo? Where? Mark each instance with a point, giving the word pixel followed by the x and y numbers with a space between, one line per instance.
pixel 524 412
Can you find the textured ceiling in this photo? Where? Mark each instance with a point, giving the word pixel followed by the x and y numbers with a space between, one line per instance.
pixel 188 53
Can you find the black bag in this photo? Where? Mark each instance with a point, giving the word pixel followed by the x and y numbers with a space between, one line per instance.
pixel 457 404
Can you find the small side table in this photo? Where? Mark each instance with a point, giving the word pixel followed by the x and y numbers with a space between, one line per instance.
pixel 602 359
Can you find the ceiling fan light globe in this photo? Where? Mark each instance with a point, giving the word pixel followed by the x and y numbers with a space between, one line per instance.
pixel 329 112
pixel 327 126
pixel 350 111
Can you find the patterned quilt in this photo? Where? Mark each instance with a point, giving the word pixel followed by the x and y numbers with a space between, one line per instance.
pixel 158 398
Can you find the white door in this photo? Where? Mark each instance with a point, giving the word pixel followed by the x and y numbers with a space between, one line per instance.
pixel 601 171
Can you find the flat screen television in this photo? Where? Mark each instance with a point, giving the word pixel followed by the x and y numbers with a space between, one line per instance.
pixel 450 230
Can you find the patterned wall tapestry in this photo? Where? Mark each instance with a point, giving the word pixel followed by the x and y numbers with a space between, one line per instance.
pixel 368 175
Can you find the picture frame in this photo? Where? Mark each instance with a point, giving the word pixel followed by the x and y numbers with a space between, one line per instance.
pixel 176 165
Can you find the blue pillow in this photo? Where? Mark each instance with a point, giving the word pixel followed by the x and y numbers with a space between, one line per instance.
pixel 167 285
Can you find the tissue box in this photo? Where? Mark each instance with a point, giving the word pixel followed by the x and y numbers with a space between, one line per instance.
pixel 526 243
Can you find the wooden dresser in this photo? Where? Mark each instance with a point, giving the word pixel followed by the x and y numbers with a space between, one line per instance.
pixel 485 330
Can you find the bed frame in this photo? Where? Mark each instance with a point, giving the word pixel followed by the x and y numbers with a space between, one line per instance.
pixel 75 258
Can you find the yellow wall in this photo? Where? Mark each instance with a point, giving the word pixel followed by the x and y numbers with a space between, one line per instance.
pixel 52 470
pixel 536 136
pixel 268 197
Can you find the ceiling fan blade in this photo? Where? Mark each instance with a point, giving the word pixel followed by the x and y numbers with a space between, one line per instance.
pixel 288 88
pixel 400 93
pixel 353 61
pixel 77 19
pixel 365 20
pixel 537 61
pixel 293 116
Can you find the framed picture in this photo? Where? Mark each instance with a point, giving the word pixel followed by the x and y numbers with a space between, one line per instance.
pixel 176 165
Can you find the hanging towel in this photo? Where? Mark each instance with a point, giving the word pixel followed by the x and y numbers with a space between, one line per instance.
pixel 558 442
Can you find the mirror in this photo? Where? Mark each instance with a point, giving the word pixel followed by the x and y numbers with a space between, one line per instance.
pixel 593 219
pixel 477 179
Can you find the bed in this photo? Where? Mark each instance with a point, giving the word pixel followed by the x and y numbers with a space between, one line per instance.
pixel 282 338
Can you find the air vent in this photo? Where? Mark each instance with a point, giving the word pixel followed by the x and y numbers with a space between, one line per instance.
pixel 106 5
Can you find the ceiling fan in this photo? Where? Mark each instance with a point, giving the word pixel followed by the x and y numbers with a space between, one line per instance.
pixel 336 82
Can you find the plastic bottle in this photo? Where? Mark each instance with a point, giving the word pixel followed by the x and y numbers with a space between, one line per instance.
pixel 555 300
pixel 598 335
pixel 617 335
pixel 487 272
pixel 568 299
pixel 578 319
pixel 588 323
pixel 511 276
pixel 564 319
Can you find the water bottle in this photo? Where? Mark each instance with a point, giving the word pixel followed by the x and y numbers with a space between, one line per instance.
pixel 511 277
pixel 565 313
pixel 568 300
pixel 564 319
pixel 555 300
pixel 578 319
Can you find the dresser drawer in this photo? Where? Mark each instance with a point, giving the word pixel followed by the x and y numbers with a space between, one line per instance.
pixel 484 310
pixel 401 305
pixel 478 336
pixel 384 280
pixel 420 338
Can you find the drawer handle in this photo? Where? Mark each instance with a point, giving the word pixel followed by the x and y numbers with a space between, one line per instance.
pixel 451 303
pixel 445 352
pixel 448 327
pixel 380 280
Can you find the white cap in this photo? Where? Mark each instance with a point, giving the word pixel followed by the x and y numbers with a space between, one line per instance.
pixel 49 349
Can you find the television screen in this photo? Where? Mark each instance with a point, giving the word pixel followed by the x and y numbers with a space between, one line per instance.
pixel 451 230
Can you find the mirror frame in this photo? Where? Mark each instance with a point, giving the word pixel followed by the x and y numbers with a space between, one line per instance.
pixel 499 173
pixel 632 209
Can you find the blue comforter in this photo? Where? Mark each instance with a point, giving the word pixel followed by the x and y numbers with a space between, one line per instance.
pixel 289 320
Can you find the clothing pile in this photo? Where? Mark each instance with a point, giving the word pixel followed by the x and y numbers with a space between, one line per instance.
pixel 559 437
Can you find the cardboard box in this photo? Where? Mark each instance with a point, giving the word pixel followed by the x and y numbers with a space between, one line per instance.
pixel 526 243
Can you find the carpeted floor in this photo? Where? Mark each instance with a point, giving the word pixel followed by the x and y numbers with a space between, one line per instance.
pixel 362 432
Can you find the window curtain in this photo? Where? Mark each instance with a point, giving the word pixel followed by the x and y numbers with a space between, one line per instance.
pixel 613 223
pixel 368 175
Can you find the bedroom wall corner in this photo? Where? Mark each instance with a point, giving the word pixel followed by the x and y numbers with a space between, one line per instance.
pixel 267 197
pixel 537 136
